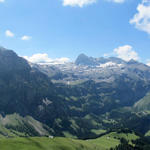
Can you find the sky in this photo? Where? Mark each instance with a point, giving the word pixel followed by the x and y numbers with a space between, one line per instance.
pixel 62 29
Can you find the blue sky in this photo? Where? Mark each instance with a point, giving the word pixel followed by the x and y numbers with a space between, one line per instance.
pixel 66 28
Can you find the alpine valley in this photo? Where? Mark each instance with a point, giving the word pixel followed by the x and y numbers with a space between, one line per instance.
pixel 90 104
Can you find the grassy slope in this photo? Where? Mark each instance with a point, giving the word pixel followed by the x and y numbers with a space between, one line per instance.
pixel 14 125
pixel 143 104
pixel 43 143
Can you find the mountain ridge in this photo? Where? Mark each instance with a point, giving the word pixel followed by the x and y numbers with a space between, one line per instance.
pixel 83 59
pixel 97 69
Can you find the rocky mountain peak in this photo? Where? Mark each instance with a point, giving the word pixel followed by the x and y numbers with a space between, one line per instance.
pixel 82 59
pixel 10 61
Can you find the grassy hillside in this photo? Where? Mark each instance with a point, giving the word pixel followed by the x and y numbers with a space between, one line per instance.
pixel 143 104
pixel 112 139
pixel 105 142
pixel 14 125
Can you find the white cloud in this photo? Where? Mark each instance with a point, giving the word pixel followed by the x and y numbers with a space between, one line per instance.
pixel 8 33
pixel 117 1
pixel 1 1
pixel 108 54
pixel 79 3
pixel 148 62
pixel 26 38
pixel 126 53
pixel 38 58
pixel 61 60
pixel 141 19
pixel 43 58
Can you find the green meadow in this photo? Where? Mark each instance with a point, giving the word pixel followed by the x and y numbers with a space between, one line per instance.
pixel 60 143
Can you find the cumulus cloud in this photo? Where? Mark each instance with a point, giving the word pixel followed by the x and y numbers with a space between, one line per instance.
pixel 43 58
pixel 8 33
pixel 1 1
pixel 61 60
pixel 117 1
pixel 148 62
pixel 26 38
pixel 141 19
pixel 39 58
pixel 108 54
pixel 79 3
pixel 126 53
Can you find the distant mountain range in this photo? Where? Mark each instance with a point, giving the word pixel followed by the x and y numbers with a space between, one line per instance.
pixel 73 99
pixel 97 69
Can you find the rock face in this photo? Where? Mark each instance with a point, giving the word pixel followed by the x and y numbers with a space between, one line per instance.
pixel 85 60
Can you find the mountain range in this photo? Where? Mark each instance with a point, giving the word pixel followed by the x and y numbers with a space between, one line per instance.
pixel 75 99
